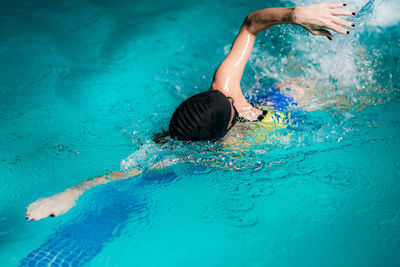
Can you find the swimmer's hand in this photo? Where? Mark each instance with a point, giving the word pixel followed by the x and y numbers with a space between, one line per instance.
pixel 54 205
pixel 319 18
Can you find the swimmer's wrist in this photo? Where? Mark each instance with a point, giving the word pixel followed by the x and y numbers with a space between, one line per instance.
pixel 296 15
pixel 77 188
pixel 289 17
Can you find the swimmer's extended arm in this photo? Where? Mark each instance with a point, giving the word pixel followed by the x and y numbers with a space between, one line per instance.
pixel 315 18
pixel 62 202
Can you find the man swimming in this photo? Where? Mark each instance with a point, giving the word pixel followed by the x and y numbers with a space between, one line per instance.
pixel 208 116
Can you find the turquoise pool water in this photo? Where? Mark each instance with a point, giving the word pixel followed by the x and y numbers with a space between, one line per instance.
pixel 85 84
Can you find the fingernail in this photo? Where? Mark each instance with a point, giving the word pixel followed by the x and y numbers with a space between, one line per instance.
pixel 347 32
pixel 344 4
pixel 353 25
pixel 353 13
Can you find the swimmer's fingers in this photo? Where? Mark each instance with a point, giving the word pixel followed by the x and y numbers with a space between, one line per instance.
pixel 342 12
pixel 342 22
pixel 322 32
pixel 336 28
pixel 334 5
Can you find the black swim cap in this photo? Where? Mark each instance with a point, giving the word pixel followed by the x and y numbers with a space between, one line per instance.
pixel 202 117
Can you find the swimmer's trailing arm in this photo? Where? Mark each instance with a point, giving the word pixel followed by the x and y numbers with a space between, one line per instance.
pixel 317 19
pixel 62 202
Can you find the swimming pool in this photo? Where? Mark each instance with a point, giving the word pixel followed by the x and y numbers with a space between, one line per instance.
pixel 85 84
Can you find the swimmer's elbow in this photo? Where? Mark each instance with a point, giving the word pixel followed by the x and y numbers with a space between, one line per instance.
pixel 249 23
pixel 254 23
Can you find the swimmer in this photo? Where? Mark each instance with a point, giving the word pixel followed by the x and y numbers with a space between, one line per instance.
pixel 208 116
